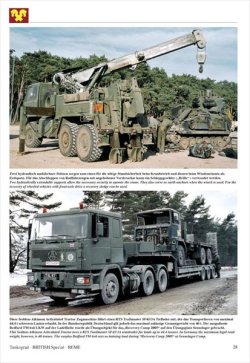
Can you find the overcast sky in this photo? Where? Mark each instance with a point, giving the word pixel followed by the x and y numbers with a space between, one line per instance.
pixel 221 203
pixel 221 63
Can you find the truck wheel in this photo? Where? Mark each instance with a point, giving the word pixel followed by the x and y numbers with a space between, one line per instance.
pixel 213 273
pixel 59 300
pixel 209 256
pixel 208 273
pixel 110 290
pixel 86 144
pixel 162 280
pixel 31 139
pixel 148 283
pixel 181 256
pixel 203 274
pixel 202 256
pixel 67 139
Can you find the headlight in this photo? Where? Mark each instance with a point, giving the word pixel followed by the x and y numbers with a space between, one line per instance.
pixel 83 280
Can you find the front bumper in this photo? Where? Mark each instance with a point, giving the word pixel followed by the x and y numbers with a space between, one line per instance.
pixel 62 283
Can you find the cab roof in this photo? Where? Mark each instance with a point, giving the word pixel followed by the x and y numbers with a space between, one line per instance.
pixel 80 211
pixel 155 211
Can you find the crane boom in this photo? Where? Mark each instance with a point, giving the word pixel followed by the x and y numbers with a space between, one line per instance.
pixel 81 80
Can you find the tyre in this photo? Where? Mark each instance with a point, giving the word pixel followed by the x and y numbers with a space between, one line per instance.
pixel 181 256
pixel 208 273
pixel 148 283
pixel 202 256
pixel 67 139
pixel 209 256
pixel 213 273
pixel 86 144
pixel 110 290
pixel 203 274
pixel 162 280
pixel 59 300
pixel 31 139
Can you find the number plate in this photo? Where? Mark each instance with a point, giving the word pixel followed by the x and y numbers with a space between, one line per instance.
pixel 52 263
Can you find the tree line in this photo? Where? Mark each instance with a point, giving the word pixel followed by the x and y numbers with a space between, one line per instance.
pixel 161 92
pixel 25 204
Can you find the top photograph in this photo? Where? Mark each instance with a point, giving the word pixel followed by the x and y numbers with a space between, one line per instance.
pixel 123 97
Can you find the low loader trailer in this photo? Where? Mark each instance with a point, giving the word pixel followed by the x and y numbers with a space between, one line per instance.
pixel 81 253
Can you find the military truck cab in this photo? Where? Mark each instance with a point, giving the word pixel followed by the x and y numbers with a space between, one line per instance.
pixel 37 114
pixel 40 95
pixel 160 226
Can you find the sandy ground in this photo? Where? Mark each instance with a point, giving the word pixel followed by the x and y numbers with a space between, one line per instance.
pixel 210 297
pixel 49 156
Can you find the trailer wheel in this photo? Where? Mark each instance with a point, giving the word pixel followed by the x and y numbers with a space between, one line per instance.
pixel 162 280
pixel 110 290
pixel 209 256
pixel 67 139
pixel 181 256
pixel 213 272
pixel 86 144
pixel 202 256
pixel 208 273
pixel 58 300
pixel 148 283
pixel 203 274
pixel 31 139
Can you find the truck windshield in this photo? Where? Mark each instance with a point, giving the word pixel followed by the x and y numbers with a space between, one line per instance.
pixel 154 218
pixel 63 226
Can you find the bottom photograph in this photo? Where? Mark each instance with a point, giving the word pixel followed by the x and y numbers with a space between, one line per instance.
pixel 125 252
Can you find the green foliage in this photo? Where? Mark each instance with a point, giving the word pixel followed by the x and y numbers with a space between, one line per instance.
pixel 227 240
pixel 23 205
pixel 160 91
pixel 93 199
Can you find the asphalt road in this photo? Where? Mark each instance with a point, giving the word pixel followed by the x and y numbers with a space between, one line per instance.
pixel 210 297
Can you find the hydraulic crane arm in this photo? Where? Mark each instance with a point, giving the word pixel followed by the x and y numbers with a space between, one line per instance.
pixel 82 80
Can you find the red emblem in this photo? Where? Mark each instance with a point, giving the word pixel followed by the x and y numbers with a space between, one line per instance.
pixel 19 15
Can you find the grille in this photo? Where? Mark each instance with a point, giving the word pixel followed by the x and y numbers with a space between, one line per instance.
pixel 46 255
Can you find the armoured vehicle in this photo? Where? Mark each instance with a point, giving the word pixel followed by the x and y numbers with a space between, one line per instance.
pixel 207 121
pixel 81 252
pixel 87 117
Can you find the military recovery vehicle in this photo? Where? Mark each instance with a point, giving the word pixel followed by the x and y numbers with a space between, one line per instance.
pixel 207 121
pixel 81 253
pixel 87 117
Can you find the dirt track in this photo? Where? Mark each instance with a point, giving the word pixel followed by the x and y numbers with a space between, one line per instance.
pixel 213 297
pixel 49 156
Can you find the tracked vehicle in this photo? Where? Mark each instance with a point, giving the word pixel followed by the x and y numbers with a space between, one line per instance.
pixel 207 121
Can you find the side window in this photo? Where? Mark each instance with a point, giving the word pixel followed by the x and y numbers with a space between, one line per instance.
pixel 175 218
pixel 116 228
pixel 32 93
pixel 105 222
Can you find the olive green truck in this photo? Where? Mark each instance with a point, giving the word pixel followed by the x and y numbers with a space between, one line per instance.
pixel 88 116
pixel 81 253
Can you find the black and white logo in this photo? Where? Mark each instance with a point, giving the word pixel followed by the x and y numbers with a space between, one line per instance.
pixel 53 255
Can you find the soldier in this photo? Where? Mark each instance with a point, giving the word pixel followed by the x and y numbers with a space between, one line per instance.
pixel 217 266
pixel 153 123
pixel 165 124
